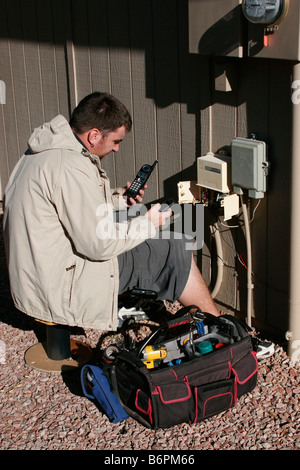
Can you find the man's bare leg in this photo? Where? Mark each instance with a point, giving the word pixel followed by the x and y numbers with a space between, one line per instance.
pixel 196 292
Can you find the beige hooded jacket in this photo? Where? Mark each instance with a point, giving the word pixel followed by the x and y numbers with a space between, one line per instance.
pixel 60 238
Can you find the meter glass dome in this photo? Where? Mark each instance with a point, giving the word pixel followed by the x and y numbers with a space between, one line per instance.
pixel 263 11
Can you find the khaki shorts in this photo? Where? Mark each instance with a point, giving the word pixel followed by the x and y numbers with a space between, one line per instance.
pixel 156 264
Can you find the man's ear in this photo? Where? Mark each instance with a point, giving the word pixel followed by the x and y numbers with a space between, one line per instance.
pixel 94 136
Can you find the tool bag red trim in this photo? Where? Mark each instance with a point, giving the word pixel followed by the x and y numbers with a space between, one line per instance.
pixel 139 404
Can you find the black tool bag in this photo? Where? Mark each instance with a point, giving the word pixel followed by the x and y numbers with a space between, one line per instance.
pixel 191 368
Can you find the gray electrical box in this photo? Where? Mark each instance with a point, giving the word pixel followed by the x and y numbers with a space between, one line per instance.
pixel 249 167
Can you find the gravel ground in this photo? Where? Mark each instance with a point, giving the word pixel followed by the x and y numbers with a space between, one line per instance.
pixel 47 411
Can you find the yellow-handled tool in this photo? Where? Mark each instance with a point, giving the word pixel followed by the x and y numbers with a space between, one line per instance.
pixel 153 355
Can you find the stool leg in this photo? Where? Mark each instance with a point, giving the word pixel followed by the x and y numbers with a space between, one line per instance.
pixel 58 342
pixel 59 353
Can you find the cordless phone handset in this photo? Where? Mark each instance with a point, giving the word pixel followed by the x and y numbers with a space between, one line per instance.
pixel 140 179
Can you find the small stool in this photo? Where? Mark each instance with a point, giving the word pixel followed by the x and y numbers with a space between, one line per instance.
pixel 59 353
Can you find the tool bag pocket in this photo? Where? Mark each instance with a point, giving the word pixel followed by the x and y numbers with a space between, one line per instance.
pixel 213 398
pixel 171 403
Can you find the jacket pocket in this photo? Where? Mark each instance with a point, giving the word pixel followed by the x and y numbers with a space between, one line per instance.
pixel 69 284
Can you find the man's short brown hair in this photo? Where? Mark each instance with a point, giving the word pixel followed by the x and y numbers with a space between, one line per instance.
pixel 101 111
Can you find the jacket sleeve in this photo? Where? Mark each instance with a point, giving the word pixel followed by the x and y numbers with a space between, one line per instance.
pixel 85 210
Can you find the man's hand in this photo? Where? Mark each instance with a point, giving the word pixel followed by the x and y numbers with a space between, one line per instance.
pixel 138 198
pixel 158 218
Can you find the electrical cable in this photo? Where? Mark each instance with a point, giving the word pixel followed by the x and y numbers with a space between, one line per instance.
pixel 249 262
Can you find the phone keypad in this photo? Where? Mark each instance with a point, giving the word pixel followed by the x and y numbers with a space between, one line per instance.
pixel 135 187
pixel 136 184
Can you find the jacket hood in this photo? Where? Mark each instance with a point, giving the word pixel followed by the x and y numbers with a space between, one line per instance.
pixel 56 134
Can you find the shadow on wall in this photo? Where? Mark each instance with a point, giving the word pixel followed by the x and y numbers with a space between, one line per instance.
pixel 223 37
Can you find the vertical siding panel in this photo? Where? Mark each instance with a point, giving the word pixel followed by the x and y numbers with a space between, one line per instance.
pixel 5 76
pixel 60 17
pixel 16 109
pixel 252 112
pixel 99 51
pixel 47 59
pixel 253 115
pixel 121 85
pixel 278 196
pixel 144 108
pixel 32 63
pixel 81 51
pixel 188 142
pixel 205 106
pixel 223 122
pixel 167 94
pixel 242 124
pixel 206 131
pixel 70 56
pixel 224 109
pixel 100 61
pixel 189 77
pixel 223 125
pixel 4 168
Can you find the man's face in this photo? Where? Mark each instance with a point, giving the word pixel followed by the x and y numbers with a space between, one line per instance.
pixel 109 143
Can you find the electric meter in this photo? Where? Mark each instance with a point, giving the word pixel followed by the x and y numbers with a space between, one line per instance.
pixel 266 12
